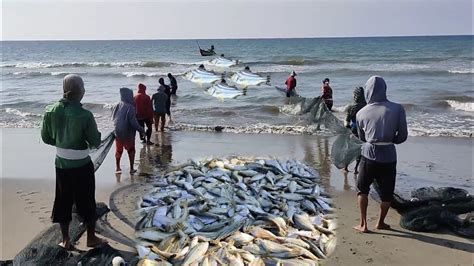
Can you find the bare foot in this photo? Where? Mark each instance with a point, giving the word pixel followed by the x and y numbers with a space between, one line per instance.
pixel 66 244
pixel 382 226
pixel 360 228
pixel 345 170
pixel 95 241
pixel 132 171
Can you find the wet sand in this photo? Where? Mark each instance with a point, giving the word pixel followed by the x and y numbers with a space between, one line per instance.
pixel 28 189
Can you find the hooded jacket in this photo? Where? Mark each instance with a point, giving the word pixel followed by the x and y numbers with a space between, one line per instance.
pixel 160 100
pixel 380 123
pixel 358 103
pixel 66 125
pixel 143 104
pixel 124 116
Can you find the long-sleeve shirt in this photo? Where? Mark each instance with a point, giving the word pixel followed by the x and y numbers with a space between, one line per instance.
pixel 143 105
pixel 381 124
pixel 290 83
pixel 124 116
pixel 160 100
pixel 67 125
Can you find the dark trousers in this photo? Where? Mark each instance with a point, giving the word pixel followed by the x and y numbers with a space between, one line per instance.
pixel 148 124
pixel 75 186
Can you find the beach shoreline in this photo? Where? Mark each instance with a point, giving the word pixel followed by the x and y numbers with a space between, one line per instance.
pixel 28 192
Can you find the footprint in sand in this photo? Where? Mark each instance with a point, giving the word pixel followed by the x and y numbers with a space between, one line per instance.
pixel 354 251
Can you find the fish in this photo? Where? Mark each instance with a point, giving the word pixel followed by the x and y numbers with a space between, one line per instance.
pixel 153 234
pixel 303 222
pixel 247 78
pixel 196 253
pixel 224 91
pixel 222 62
pixel 200 76
pixel 248 211
pixel 292 186
pixel 241 238
pixel 149 262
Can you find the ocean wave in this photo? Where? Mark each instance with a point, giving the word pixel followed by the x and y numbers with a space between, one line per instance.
pixel 259 128
pixel 462 71
pixel 439 132
pixel 461 106
pixel 298 62
pixel 98 107
pixel 341 109
pixel 141 74
pixel 35 65
pixel 21 113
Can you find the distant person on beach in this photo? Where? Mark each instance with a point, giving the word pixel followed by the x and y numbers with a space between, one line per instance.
pixel 159 101
pixel 167 91
pixel 173 84
pixel 144 112
pixel 126 126
pixel 212 48
pixel 350 122
pixel 326 91
pixel 380 125
pixel 290 84
pixel 72 130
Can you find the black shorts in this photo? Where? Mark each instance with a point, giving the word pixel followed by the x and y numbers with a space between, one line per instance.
pixel 383 173
pixel 75 186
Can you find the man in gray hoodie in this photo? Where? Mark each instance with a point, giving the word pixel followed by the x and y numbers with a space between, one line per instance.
pixel 380 125
pixel 126 125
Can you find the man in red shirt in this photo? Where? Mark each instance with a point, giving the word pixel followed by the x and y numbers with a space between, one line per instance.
pixel 144 113
pixel 326 90
pixel 290 84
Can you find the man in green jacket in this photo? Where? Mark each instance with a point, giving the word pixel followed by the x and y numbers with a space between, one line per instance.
pixel 72 130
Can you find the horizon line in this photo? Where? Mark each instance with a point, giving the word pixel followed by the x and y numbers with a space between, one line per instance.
pixel 241 38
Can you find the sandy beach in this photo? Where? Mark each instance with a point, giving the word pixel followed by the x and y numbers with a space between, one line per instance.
pixel 28 189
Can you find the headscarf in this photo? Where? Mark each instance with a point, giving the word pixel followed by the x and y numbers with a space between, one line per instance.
pixel 73 88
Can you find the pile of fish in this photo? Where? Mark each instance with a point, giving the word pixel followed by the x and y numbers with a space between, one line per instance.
pixel 246 78
pixel 222 62
pixel 236 211
pixel 224 91
pixel 200 76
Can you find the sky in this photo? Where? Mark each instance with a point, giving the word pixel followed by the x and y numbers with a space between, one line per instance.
pixel 198 19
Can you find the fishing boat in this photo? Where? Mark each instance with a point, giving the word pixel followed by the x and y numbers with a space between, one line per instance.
pixel 206 52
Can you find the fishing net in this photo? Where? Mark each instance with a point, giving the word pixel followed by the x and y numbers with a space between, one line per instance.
pixel 430 209
pixel 44 248
pixel 98 154
pixel 346 147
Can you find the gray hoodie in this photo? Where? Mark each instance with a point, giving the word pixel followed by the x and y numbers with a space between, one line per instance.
pixel 380 123
pixel 124 116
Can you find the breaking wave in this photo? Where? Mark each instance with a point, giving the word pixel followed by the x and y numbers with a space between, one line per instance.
pixel 34 65
pixel 21 113
pixel 461 106
pixel 462 71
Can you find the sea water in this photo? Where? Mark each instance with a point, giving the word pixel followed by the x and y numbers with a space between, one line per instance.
pixel 431 76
